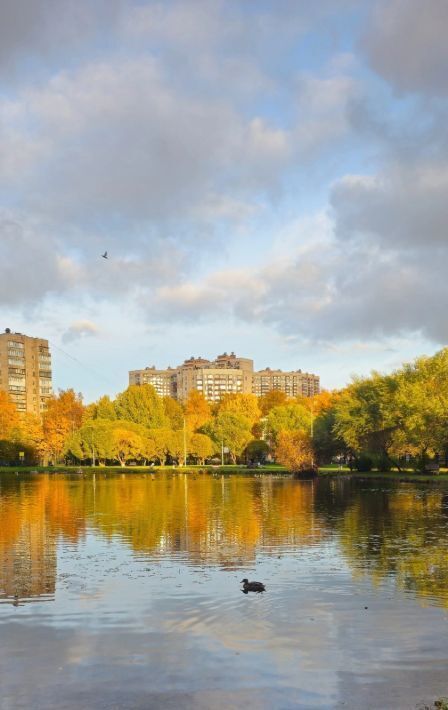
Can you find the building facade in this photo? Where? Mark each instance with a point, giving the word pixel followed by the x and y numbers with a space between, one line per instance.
pixel 25 371
pixel 226 374
pixel 293 384
pixel 163 381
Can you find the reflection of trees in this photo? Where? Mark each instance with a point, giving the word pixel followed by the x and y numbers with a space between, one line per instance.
pixel 218 520
pixel 222 521
pixel 403 532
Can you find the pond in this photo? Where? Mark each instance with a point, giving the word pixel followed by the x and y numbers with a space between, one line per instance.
pixel 123 591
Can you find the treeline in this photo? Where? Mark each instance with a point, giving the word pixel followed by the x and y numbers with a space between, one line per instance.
pixel 380 421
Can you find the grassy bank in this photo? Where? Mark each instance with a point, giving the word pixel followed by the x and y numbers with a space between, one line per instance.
pixel 332 471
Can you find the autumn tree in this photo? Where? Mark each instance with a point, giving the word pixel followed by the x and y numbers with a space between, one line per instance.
pixel 197 410
pixel 32 435
pixel 294 451
pixel 240 403
pixel 127 444
pixel 174 412
pixel 273 398
pixel 9 417
pixel 61 419
pixel 201 447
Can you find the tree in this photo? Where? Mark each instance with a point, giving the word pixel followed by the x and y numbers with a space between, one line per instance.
pixel 159 442
pixel 9 417
pixel 232 431
pixel 174 412
pixel 103 409
pixel 95 440
pixel 421 398
pixel 32 435
pixel 288 417
pixel 142 405
pixel 197 411
pixel 273 398
pixel 367 417
pixel 239 403
pixel 127 445
pixel 201 447
pixel 61 419
pixel 257 450
pixel 293 450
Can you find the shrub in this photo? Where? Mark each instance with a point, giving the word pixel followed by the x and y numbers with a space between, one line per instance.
pixel 363 463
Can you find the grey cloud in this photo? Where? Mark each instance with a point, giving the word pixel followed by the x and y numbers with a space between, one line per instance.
pixel 51 28
pixel 406 44
pixel 404 207
pixel 30 267
pixel 80 329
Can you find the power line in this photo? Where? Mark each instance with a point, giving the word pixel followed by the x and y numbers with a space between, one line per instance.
pixel 82 364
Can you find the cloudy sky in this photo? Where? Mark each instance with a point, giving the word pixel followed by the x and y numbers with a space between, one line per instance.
pixel 269 177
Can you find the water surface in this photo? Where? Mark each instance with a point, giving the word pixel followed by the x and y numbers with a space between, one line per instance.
pixel 123 592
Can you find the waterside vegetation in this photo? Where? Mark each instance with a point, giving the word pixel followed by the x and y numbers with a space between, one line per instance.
pixel 391 423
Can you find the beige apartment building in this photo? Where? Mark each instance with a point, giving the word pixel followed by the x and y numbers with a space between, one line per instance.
pixel 293 384
pixel 25 371
pixel 228 373
pixel 163 381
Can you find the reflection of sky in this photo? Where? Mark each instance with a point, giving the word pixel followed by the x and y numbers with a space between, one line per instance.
pixel 148 609
pixel 140 626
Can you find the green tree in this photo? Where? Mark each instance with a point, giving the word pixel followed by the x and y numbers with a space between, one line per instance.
pixel 231 430
pixel 367 414
pixel 288 417
pixel 142 405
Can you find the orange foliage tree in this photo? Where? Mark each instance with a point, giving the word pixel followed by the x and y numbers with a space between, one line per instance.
pixel 293 450
pixel 61 419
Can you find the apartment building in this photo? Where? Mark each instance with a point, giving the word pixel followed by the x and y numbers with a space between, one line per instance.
pixel 293 384
pixel 163 381
pixel 228 373
pixel 25 371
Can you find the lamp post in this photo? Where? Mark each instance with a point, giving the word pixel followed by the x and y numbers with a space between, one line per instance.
pixel 185 444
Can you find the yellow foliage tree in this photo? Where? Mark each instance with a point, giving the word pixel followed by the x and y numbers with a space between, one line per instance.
pixel 197 411
pixel 9 417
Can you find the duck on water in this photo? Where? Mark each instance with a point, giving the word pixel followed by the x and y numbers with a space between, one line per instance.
pixel 252 586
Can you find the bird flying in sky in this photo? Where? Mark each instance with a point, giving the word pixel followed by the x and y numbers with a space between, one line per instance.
pixel 105 255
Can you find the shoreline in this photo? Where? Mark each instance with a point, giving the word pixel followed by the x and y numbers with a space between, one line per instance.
pixel 324 472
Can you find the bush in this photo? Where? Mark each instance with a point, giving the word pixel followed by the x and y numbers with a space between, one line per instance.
pixel 383 463
pixel 364 463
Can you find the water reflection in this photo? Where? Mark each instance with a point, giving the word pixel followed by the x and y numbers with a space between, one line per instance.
pixel 397 531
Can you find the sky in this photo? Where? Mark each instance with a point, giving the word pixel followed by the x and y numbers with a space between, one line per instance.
pixel 267 177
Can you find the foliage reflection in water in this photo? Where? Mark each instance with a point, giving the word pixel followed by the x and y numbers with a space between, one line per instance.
pixel 135 579
pixel 398 530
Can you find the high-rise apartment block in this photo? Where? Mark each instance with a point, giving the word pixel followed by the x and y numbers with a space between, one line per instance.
pixel 226 374
pixel 25 371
